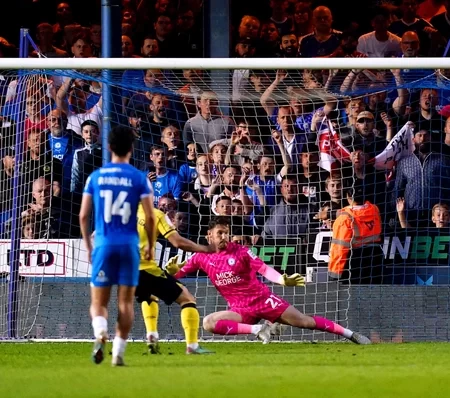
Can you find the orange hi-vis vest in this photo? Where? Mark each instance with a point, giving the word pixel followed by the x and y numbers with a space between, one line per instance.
pixel 355 227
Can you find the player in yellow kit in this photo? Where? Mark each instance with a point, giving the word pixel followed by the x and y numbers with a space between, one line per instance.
pixel 155 282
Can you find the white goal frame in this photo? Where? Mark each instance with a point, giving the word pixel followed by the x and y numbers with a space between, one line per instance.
pixel 211 64
pixel 225 63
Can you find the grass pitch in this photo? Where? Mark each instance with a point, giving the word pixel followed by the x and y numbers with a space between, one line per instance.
pixel 236 370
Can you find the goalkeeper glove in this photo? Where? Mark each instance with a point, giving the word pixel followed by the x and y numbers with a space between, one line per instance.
pixel 292 280
pixel 172 266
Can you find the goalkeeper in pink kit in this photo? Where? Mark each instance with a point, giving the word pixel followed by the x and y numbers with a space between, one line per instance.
pixel 233 270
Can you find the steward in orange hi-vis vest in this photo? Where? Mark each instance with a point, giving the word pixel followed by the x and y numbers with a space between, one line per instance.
pixel 356 242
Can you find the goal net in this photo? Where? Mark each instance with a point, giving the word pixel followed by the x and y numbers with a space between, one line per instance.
pixel 275 150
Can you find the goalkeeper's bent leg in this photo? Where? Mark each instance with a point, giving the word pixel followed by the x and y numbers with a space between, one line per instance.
pixel 227 323
pixel 232 328
pixel 190 320
pixel 150 313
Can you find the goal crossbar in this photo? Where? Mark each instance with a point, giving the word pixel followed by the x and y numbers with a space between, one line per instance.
pixel 224 63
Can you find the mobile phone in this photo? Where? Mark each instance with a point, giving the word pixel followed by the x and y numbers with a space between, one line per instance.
pixel 152 169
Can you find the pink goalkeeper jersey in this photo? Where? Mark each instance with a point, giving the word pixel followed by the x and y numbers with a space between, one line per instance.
pixel 233 273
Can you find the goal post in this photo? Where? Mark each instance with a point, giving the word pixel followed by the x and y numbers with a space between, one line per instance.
pixel 218 113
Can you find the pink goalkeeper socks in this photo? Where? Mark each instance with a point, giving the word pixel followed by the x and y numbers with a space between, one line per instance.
pixel 232 327
pixel 331 327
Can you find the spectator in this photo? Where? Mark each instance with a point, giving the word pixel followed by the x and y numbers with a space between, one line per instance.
pixel 409 22
pixel 293 138
pixel 95 31
pixel 440 214
pixel 380 42
pixel 324 40
pixel 188 37
pixel 327 214
pixel 426 116
pixel 372 182
pixel 150 47
pixel 35 108
pixel 37 162
pixel 28 224
pixel 269 43
pixel 167 203
pixel 170 138
pixel 148 83
pixel 191 91
pixel 62 143
pixel 45 39
pixel 128 48
pixel 310 176
pixel 181 222
pixel 158 120
pixel 73 100
pixel 187 172
pixel 447 133
pixel 363 135
pixel 262 189
pixel 137 121
pixel 242 147
pixel 289 46
pixel 162 179
pixel 45 211
pixel 410 44
pixel 208 125
pixel 232 185
pixel 163 31
pixel 88 158
pixel 280 16
pixel 218 153
pixel 421 137
pixel 269 102
pixel 302 22
pixel 422 178
pixel 441 21
pixel 244 49
pixel 348 46
pixel 64 17
pixel 81 46
pixel 333 187
pixel 249 28
pixel 6 180
pixel 290 217
pixel 202 183
pixel 242 240
pixel 241 224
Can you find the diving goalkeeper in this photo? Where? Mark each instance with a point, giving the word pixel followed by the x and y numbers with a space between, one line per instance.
pixel 153 281
pixel 232 269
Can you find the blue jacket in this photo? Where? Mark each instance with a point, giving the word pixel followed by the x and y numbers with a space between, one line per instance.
pixel 423 184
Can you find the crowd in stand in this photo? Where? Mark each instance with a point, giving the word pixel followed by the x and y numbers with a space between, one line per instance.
pixel 257 157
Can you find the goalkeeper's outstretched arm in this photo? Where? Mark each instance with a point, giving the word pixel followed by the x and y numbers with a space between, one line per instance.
pixel 187 245
pixel 286 280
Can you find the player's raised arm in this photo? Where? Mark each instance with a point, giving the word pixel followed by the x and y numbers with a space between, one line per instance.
pixel 150 223
pixel 187 245
pixel 85 217
pixel 272 275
